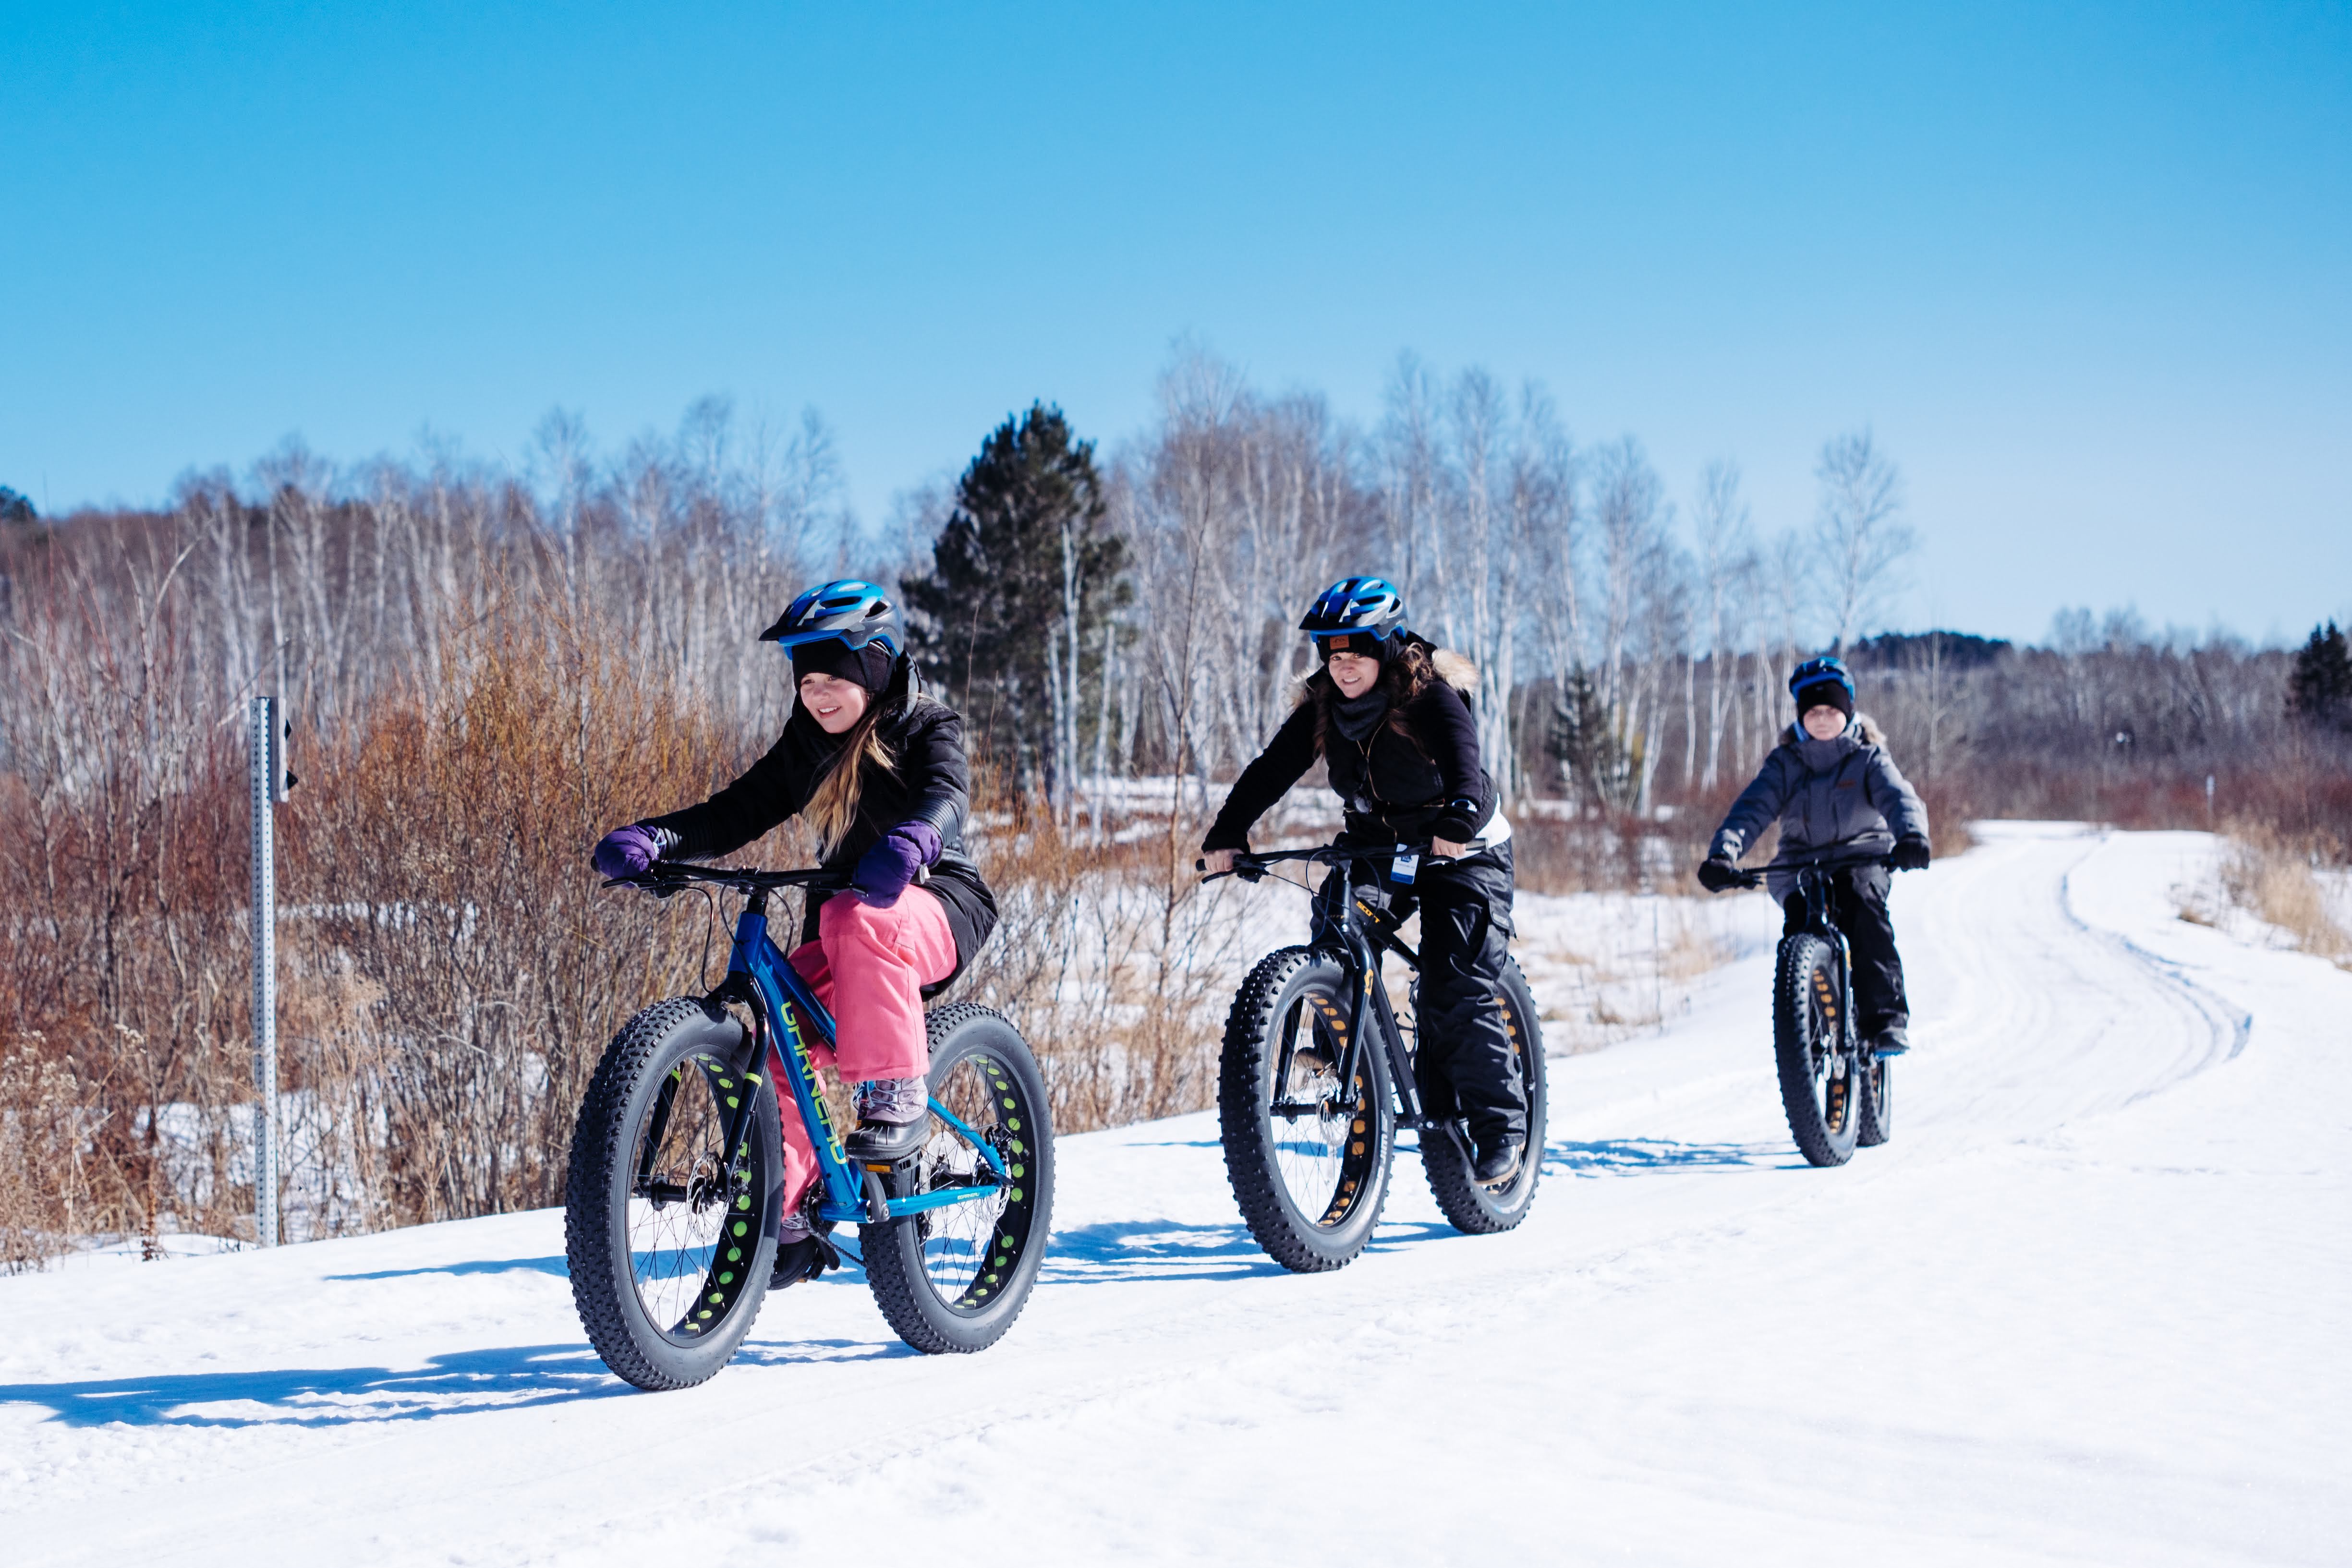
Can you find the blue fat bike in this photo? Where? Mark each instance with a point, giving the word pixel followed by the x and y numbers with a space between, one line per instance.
pixel 676 1186
pixel 1838 1092
pixel 1317 1074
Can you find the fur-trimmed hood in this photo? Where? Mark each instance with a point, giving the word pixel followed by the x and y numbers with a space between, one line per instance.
pixel 1455 670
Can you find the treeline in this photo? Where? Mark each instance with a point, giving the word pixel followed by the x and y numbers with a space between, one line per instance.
pixel 1632 646
pixel 489 666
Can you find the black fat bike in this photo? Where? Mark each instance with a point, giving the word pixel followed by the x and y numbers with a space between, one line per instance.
pixel 1838 1093
pixel 1317 1076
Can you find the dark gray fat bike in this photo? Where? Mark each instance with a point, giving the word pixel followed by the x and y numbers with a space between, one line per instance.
pixel 1316 1075
pixel 673 1195
pixel 1838 1092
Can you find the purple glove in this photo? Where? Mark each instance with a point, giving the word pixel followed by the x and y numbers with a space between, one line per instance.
pixel 884 871
pixel 624 852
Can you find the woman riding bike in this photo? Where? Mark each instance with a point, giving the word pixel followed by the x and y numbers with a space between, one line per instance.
pixel 879 771
pixel 1401 750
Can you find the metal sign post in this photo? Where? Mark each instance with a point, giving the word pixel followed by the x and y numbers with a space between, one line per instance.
pixel 268 787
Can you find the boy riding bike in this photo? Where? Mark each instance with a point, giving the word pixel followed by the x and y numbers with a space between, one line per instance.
pixel 1401 751
pixel 1833 787
pixel 879 771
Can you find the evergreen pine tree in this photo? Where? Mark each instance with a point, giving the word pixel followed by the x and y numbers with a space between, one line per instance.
pixel 998 596
pixel 14 507
pixel 2319 688
pixel 1586 736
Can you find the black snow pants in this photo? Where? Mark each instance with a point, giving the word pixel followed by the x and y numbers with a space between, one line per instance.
pixel 1465 1066
pixel 1858 905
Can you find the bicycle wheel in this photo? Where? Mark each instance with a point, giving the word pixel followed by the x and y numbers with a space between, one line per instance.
pixel 1307 1159
pixel 952 1278
pixel 1467 1204
pixel 1877 1101
pixel 669 1242
pixel 1818 1087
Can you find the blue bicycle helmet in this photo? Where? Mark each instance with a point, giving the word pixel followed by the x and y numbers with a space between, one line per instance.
pixel 1355 614
pixel 1820 672
pixel 846 610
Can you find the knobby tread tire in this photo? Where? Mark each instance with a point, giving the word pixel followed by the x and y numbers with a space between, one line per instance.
pixel 1804 974
pixel 602 1142
pixel 1878 1104
pixel 1469 1208
pixel 893 1253
pixel 1252 1029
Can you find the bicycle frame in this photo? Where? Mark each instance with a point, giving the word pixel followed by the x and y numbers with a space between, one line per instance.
pixel 763 979
pixel 1363 931
pixel 1812 886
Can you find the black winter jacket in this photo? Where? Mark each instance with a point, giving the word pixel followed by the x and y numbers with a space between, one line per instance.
pixel 932 783
pixel 1395 790
pixel 1845 792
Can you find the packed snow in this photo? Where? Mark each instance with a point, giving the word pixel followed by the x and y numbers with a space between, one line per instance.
pixel 2085 1308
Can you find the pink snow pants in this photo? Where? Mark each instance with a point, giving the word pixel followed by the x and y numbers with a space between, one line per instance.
pixel 868 966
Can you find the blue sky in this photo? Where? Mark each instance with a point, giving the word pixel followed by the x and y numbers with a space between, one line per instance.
pixel 2086 270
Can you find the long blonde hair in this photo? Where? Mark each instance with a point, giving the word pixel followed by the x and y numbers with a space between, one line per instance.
pixel 832 809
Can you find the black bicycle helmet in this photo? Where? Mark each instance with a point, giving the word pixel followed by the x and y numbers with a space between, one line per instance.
pixel 1355 614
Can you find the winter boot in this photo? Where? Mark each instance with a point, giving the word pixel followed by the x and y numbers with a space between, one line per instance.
pixel 802 1254
pixel 1496 1159
pixel 893 1119
pixel 1893 1041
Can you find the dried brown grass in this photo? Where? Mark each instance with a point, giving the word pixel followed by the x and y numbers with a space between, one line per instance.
pixel 450 969
pixel 2271 877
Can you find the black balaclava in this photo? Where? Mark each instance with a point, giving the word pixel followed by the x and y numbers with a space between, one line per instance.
pixel 868 667
pixel 1825 693
pixel 1358 717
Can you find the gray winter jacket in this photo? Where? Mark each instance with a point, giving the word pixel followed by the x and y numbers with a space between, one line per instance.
pixel 1843 793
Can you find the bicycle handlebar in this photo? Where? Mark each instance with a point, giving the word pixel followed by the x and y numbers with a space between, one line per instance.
pixel 1250 867
pixel 1753 876
pixel 665 877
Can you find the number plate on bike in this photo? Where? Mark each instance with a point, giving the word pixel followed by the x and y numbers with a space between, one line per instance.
pixel 1403 868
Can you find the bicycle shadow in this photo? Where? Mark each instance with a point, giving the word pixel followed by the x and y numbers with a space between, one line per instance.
pixel 554 1265
pixel 1127 1251
pixel 1642 1157
pixel 509 1378
pixel 461 1383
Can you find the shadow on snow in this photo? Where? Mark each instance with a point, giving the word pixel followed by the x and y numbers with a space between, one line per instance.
pixel 1641 1156
pixel 461 1383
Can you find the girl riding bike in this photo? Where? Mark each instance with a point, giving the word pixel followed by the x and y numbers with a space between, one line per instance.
pixel 879 771
pixel 1401 751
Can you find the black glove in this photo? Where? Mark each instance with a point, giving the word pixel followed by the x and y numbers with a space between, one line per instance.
pixel 1717 874
pixel 1910 853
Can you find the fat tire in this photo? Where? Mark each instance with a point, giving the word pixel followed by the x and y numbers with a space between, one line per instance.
pixel 1468 1206
pixel 1823 1114
pixel 1303 1243
pixel 1878 1104
pixel 597 1242
pixel 981 1309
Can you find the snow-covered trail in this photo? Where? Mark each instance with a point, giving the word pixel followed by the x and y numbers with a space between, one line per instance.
pixel 2085 1309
